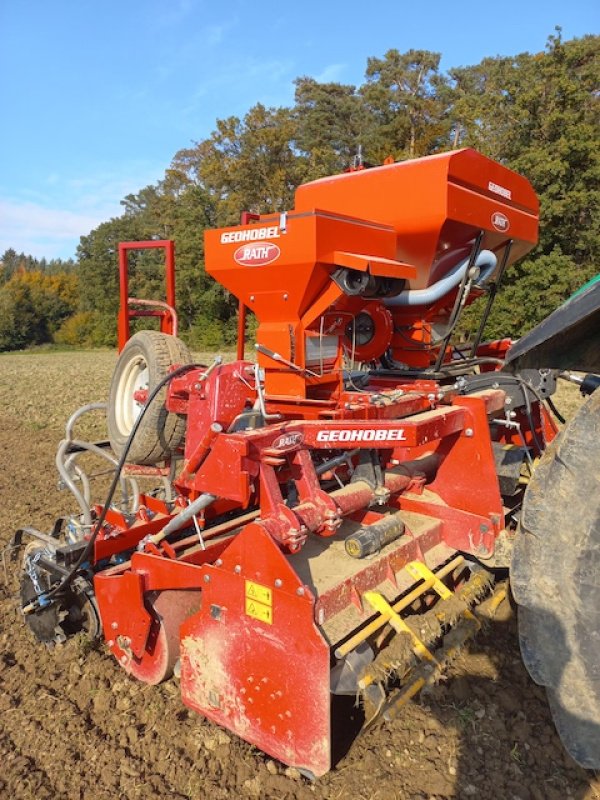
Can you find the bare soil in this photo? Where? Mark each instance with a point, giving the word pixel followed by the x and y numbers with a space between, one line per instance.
pixel 73 725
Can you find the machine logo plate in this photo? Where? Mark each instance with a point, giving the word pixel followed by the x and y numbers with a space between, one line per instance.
pixel 500 221
pixel 501 190
pixel 362 435
pixel 250 234
pixel 257 255
pixel 287 440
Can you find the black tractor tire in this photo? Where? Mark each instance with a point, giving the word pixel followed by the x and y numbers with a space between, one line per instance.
pixel 144 361
pixel 555 577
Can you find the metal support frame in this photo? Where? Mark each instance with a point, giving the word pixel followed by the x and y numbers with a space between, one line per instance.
pixel 165 311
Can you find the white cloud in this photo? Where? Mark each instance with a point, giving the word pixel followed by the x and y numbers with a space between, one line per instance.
pixel 49 221
pixel 215 34
pixel 331 73
pixel 172 13
pixel 42 232
pixel 271 79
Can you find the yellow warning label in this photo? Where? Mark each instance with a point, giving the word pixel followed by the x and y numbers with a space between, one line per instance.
pixel 259 610
pixel 254 591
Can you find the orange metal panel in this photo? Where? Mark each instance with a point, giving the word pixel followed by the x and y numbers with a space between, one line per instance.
pixel 434 204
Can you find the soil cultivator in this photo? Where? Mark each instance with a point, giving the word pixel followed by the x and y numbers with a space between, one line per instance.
pixel 326 524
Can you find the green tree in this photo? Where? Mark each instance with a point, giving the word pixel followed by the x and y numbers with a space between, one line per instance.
pixel 402 96
pixel 54 296
pixel 248 165
pixel 330 122
pixel 536 113
pixel 20 324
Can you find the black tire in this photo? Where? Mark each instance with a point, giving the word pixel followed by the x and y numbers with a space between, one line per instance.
pixel 555 578
pixel 144 362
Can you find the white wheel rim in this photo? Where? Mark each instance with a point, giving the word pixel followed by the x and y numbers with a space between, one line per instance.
pixel 135 378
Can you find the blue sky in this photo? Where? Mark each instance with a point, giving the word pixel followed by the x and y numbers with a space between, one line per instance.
pixel 98 95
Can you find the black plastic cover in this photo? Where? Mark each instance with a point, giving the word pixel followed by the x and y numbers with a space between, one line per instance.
pixel 568 339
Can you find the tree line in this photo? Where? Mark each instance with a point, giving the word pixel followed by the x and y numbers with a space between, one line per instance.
pixel 536 113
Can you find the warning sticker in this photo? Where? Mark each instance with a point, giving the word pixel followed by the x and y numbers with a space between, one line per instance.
pixel 259 602
pixel 259 611
pixel 254 591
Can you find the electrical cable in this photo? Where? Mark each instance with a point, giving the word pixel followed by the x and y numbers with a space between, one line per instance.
pixel 35 604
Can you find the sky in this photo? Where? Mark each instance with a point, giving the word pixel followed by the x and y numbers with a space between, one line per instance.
pixel 97 96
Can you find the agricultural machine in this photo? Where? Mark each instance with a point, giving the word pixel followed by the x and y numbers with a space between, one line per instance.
pixel 329 520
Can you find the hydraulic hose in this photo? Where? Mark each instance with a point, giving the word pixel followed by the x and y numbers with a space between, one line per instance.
pixel 485 262
pixel 47 596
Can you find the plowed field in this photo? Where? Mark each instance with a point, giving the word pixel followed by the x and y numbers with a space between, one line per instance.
pixel 73 725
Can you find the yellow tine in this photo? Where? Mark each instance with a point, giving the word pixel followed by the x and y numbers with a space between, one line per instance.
pixel 373 626
pixel 380 604
pixel 418 570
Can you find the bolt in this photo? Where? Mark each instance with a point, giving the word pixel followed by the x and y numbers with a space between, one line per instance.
pixel 469 432
pixel 300 591
pixel 114 625
pixel 484 528
pixel 237 569
pixel 278 582
pixel 218 562
pixel 111 642
pixel 207 579
pixel 285 296
pixel 252 297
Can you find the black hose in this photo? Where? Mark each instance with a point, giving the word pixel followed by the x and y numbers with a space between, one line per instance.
pixel 524 389
pixel 555 411
pixel 119 468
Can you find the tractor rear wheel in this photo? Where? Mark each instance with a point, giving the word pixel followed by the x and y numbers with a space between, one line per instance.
pixel 144 361
pixel 555 579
